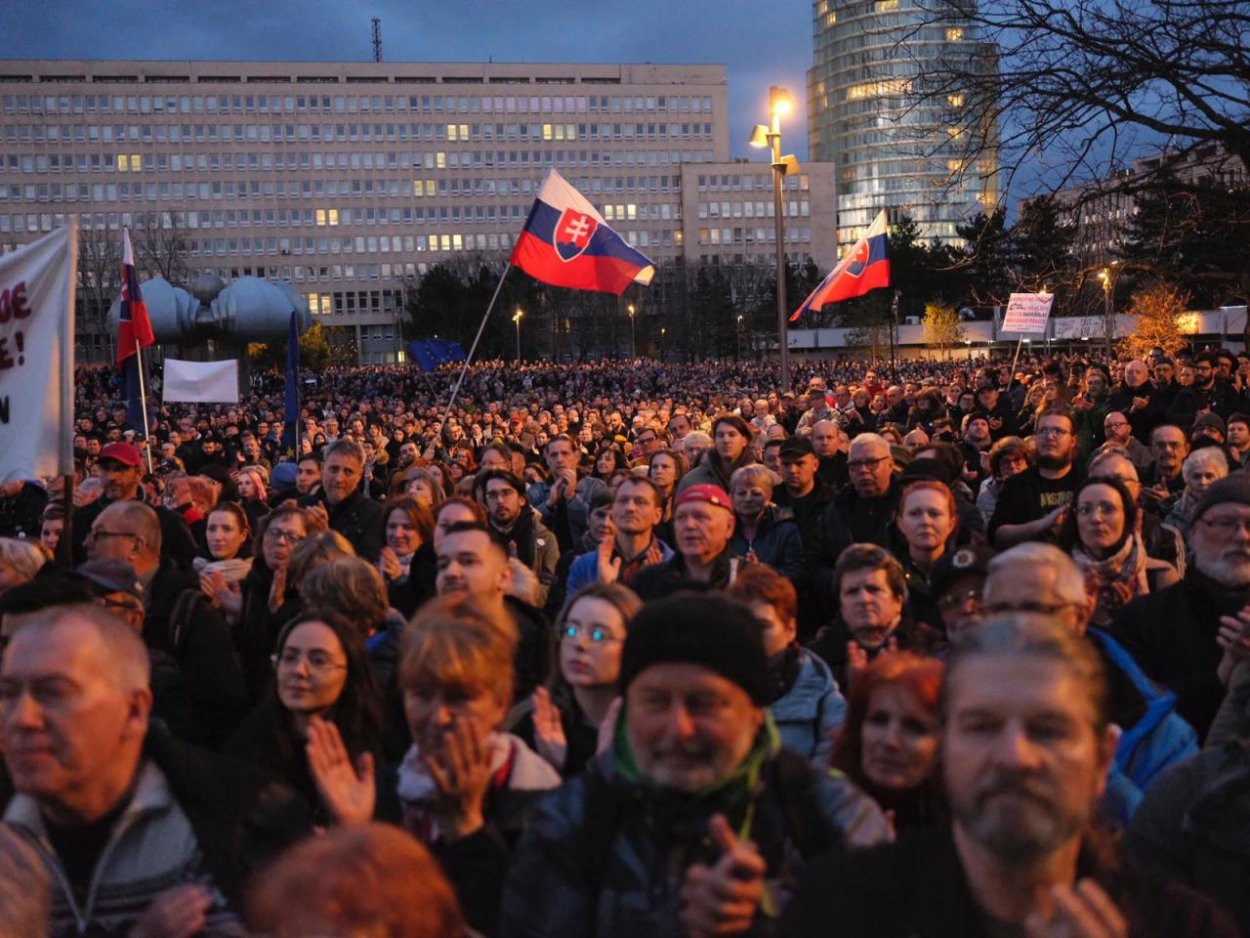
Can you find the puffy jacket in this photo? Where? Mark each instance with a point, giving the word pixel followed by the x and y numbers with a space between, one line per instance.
pixel 777 542
pixel 1159 739
pixel 811 712
pixel 606 854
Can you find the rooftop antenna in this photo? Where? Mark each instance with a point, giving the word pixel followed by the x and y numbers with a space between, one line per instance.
pixel 377 39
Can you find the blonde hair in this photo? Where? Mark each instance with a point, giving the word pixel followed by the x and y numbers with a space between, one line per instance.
pixel 463 644
pixel 24 558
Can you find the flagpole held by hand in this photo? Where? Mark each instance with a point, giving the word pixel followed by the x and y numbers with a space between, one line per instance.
pixel 143 399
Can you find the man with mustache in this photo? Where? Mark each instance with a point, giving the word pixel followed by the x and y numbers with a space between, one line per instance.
pixel 1175 634
pixel 1032 504
pixel 694 815
pixel 1025 751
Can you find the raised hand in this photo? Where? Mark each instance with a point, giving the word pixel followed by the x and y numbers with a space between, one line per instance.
pixel 461 770
pixel 609 566
pixel 1080 911
pixel 549 736
pixel 388 564
pixel 347 790
pixel 722 899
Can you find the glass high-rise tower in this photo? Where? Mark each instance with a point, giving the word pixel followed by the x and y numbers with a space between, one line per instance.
pixel 895 143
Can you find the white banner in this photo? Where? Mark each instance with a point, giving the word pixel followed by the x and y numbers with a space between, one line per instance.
pixel 37 357
pixel 1027 313
pixel 201 382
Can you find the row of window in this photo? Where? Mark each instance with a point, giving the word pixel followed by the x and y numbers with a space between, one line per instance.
pixel 352 104
pixel 794 235
pixel 793 208
pixel 305 161
pixel 750 182
pixel 349 133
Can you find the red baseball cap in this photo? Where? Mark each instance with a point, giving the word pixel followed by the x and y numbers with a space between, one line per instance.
pixel 123 453
pixel 712 494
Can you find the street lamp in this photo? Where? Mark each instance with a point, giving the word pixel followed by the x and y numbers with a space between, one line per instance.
pixel 516 318
pixel 633 344
pixel 739 336
pixel 779 104
pixel 663 340
pixel 1107 276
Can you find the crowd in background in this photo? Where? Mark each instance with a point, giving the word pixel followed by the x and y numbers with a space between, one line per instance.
pixel 938 647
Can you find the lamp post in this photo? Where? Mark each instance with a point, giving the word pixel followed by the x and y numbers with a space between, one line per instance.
pixel 779 104
pixel 633 344
pixel 1107 276
pixel 738 335
pixel 516 318
pixel 663 340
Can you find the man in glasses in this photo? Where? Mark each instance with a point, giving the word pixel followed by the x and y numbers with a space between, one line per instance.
pixel 1032 504
pixel 1040 578
pixel 1118 432
pixel 1187 636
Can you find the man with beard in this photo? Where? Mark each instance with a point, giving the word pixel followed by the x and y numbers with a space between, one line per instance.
pixel 1033 502
pixel 1211 391
pixel 1024 751
pixel 342 499
pixel 516 525
pixel 1173 633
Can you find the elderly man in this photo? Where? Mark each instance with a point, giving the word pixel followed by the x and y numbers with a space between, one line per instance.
pixel 1118 432
pixel 703 525
pixel 863 513
pixel 1138 399
pixel 686 824
pixel 342 499
pixel 178 619
pixel 1025 749
pixel 142 835
pixel 1040 577
pixel 121 468
pixel 830 444
pixel 1173 633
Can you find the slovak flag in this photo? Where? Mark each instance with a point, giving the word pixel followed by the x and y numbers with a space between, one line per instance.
pixel 133 325
pixel 865 267
pixel 566 243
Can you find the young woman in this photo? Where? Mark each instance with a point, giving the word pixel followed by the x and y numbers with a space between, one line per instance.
pixel 889 742
pixel 609 461
pixel 252 492
pixel 926 522
pixel 227 530
pixel 666 468
pixel 806 704
pixel 1101 534
pixel 566 715
pixel 320 672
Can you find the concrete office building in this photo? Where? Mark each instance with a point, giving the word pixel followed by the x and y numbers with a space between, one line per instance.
pixel 345 179
pixel 891 149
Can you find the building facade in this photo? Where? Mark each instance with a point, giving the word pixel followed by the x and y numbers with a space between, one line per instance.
pixel 893 146
pixel 349 180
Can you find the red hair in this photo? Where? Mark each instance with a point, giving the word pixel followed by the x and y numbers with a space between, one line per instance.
pixel 921 676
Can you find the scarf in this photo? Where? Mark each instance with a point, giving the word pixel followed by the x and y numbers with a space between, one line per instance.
pixel 1127 565
pixel 417 789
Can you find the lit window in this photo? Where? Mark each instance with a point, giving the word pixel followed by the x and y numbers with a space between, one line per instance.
pixel 333 216
pixel 885 6
pixel 955 100
pixel 955 34
pixel 321 218
pixel 440 160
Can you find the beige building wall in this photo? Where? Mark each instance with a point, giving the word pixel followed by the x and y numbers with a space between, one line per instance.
pixel 346 178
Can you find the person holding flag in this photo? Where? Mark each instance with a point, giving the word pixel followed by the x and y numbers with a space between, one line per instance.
pixel 863 268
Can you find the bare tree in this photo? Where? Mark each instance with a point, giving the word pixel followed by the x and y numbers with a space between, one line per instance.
pixel 1081 86
pixel 99 276
pixel 161 244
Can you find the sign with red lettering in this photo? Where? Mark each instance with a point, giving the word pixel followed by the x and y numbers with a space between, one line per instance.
pixel 37 357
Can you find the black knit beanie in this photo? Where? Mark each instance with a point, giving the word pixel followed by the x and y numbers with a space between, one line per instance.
pixel 1233 489
pixel 707 629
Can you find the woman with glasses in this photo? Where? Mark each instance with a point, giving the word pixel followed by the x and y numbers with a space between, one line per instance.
pixel 1101 534
pixel 565 716
pixel 320 674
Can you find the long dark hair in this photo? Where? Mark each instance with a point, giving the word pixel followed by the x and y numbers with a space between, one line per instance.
pixel 1070 535
pixel 357 713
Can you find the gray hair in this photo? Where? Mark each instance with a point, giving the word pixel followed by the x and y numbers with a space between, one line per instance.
pixel 1069 581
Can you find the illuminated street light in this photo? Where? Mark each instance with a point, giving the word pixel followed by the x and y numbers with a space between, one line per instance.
pixel 633 346
pixel 516 318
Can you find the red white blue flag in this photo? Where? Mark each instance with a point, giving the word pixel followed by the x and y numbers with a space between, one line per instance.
pixel 864 267
pixel 133 325
pixel 566 243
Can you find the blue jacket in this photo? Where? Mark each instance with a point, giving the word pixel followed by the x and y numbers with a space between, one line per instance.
pixel 777 543
pixel 1159 739
pixel 811 712
pixel 585 569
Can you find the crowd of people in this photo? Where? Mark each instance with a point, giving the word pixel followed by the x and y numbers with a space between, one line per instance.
pixel 627 647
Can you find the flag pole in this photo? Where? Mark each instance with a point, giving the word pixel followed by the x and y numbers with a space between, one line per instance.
pixel 455 391
pixel 143 402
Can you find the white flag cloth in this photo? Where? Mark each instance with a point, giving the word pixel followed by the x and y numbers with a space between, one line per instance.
pixel 202 382
pixel 37 357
